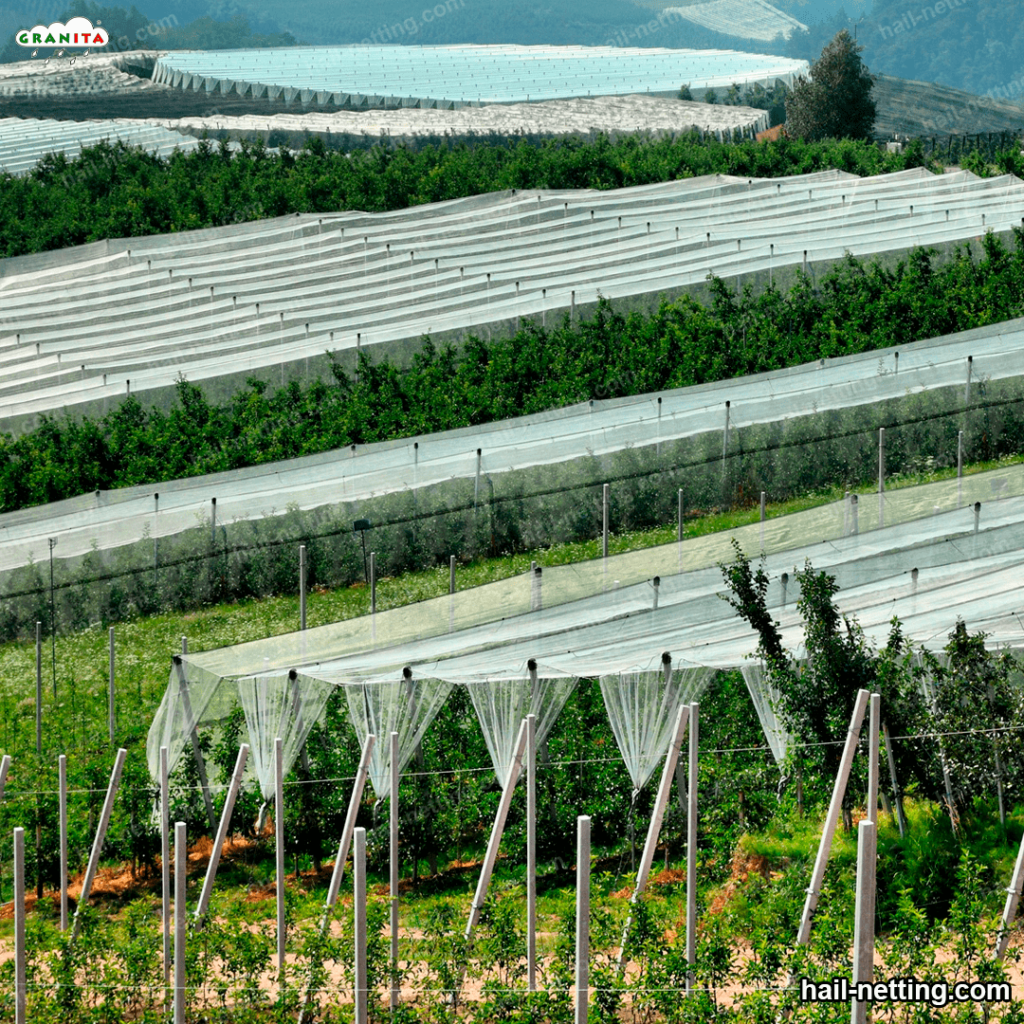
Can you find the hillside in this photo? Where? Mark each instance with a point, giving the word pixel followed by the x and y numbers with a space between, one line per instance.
pixel 922 108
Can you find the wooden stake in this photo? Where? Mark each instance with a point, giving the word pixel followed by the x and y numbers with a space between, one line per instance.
pixel 62 785
pixel 222 832
pixel 101 834
pixel 361 974
pixel 832 819
pixel 582 918
pixel 180 879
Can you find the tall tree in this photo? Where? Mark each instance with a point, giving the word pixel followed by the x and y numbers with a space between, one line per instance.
pixel 836 103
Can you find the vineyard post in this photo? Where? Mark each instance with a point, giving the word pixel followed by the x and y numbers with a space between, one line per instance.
pixel 967 388
pixel 165 862
pixel 853 514
pixel 691 850
pixel 111 714
pixel 451 574
pixel 39 687
pixel 1012 900
pixel 764 509
pixel 654 828
pixel 213 520
pixel 62 785
pixel 656 583
pixel 679 526
pixel 881 476
pixel 347 832
pixel 531 852
pixel 180 878
pixel 222 831
pixel 373 582
pixel 101 834
pixel 977 516
pixel 190 725
pixel 604 522
pixel 496 830
pixel 832 818
pixel 874 718
pixel 20 981
pixel 901 818
pixel 959 468
pixel 393 813
pixel 282 935
pixel 582 917
pixel 302 586
pixel 5 767
pixel 864 920
pixel 359 878
pixel 156 512
pixel 538 602
pixel 184 646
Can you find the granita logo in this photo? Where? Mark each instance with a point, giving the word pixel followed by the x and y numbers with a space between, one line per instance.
pixel 77 32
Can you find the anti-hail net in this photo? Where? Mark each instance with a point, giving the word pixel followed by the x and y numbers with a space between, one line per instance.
pixel 502 704
pixel 404 705
pixel 765 697
pixel 642 709
pixel 280 706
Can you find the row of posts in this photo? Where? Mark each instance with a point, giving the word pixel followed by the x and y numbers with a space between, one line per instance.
pixel 525 749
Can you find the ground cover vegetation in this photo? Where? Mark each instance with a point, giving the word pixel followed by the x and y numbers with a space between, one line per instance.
pixel 119 191
pixel 939 887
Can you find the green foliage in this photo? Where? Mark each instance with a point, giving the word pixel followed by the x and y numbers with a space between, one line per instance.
pixel 836 103
pixel 611 355
pixel 117 191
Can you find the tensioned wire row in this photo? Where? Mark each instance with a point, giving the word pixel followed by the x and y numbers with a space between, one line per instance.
pixel 405 775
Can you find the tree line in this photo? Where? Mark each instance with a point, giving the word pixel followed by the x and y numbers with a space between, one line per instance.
pixel 120 191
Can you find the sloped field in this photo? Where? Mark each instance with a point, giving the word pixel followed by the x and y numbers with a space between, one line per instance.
pixel 83 326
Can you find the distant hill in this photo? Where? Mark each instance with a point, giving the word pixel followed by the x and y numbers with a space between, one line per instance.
pixel 921 108
pixel 974 45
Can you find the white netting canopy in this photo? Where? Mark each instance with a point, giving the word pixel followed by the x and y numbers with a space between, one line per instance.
pixel 279 706
pixel 766 703
pixel 502 704
pixel 608 619
pixel 399 704
pixel 642 709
